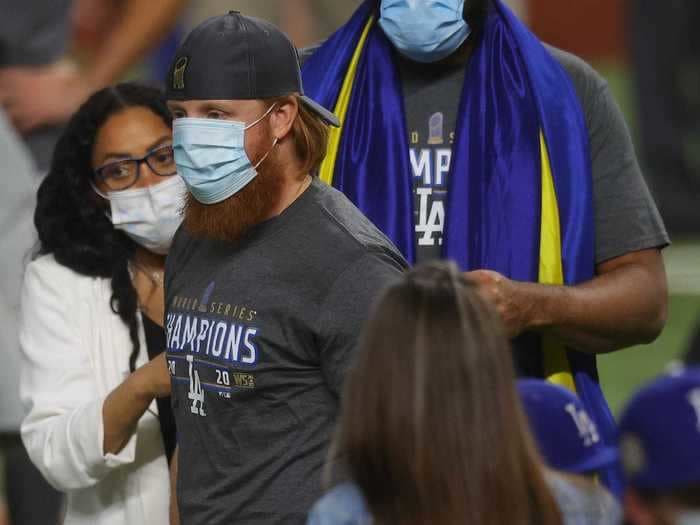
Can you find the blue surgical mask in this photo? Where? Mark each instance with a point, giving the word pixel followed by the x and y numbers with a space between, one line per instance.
pixel 424 30
pixel 211 158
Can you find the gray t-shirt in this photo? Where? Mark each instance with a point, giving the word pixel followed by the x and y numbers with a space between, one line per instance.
pixel 259 335
pixel 35 33
pixel 626 217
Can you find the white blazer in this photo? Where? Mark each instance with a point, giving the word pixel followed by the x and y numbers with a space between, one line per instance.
pixel 75 352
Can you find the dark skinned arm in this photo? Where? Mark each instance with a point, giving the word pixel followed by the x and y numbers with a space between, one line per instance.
pixel 624 305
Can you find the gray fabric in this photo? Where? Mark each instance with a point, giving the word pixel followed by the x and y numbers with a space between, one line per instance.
pixel 626 217
pixel 34 33
pixel 17 201
pixel 579 503
pixel 582 503
pixel 286 305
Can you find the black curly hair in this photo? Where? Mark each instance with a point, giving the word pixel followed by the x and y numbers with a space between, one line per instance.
pixel 71 220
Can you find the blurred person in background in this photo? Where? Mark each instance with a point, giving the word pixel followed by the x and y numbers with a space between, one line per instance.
pixel 431 429
pixel 93 19
pixel 567 437
pixel 22 481
pixel 100 427
pixel 268 282
pixel 40 87
pixel 665 45
pixel 304 21
pixel 464 137
pixel 659 444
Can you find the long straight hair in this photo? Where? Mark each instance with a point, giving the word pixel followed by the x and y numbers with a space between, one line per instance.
pixel 432 430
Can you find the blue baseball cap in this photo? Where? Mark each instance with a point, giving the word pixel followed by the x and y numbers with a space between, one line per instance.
pixel 659 433
pixel 566 436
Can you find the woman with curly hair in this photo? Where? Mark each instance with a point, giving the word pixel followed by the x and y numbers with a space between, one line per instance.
pixel 94 376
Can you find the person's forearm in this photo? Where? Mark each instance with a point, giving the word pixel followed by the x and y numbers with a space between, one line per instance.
pixel 141 25
pixel 621 308
pixel 122 410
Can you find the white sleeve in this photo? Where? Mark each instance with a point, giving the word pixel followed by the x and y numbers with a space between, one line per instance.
pixel 63 431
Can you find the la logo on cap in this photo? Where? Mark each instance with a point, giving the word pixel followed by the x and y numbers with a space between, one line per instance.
pixel 179 73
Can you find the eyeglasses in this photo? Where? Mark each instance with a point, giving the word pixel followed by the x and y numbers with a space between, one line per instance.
pixel 122 174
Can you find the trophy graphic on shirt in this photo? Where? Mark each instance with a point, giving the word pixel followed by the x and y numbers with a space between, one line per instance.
pixel 436 128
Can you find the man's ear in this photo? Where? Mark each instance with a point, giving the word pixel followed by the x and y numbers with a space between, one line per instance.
pixel 283 117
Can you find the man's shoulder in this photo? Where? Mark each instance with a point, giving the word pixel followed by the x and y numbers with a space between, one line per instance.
pixel 343 223
pixel 586 80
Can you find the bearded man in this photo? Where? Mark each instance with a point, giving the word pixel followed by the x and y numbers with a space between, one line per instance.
pixel 267 283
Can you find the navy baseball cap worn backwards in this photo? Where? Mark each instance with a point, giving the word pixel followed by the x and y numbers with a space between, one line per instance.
pixel 659 433
pixel 236 57
pixel 566 436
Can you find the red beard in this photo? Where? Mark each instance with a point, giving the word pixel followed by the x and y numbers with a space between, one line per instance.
pixel 230 219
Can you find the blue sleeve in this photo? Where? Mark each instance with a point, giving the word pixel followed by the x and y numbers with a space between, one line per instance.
pixel 344 505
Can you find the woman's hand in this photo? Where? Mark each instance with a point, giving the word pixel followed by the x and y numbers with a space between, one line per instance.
pixel 154 379
pixel 125 405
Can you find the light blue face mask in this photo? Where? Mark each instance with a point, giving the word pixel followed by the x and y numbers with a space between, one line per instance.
pixel 424 30
pixel 211 158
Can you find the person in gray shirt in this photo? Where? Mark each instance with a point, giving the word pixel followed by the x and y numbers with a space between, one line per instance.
pixel 441 125
pixel 629 232
pixel 267 284
pixel 41 86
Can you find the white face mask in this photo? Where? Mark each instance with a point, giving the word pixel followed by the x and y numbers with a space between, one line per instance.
pixel 151 215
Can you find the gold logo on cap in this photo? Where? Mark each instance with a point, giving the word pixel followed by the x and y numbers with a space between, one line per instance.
pixel 179 73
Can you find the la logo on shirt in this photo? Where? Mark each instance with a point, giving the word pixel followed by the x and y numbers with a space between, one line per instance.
pixel 430 157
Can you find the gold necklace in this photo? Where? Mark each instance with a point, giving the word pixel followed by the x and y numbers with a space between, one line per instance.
pixel 156 276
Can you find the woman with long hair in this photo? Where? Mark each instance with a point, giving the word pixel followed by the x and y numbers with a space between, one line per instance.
pixel 432 430
pixel 94 377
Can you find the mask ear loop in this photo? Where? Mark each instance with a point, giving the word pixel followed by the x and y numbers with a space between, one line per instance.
pixel 274 142
pixel 273 106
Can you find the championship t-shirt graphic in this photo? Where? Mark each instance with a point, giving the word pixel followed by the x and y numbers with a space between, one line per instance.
pixel 211 346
